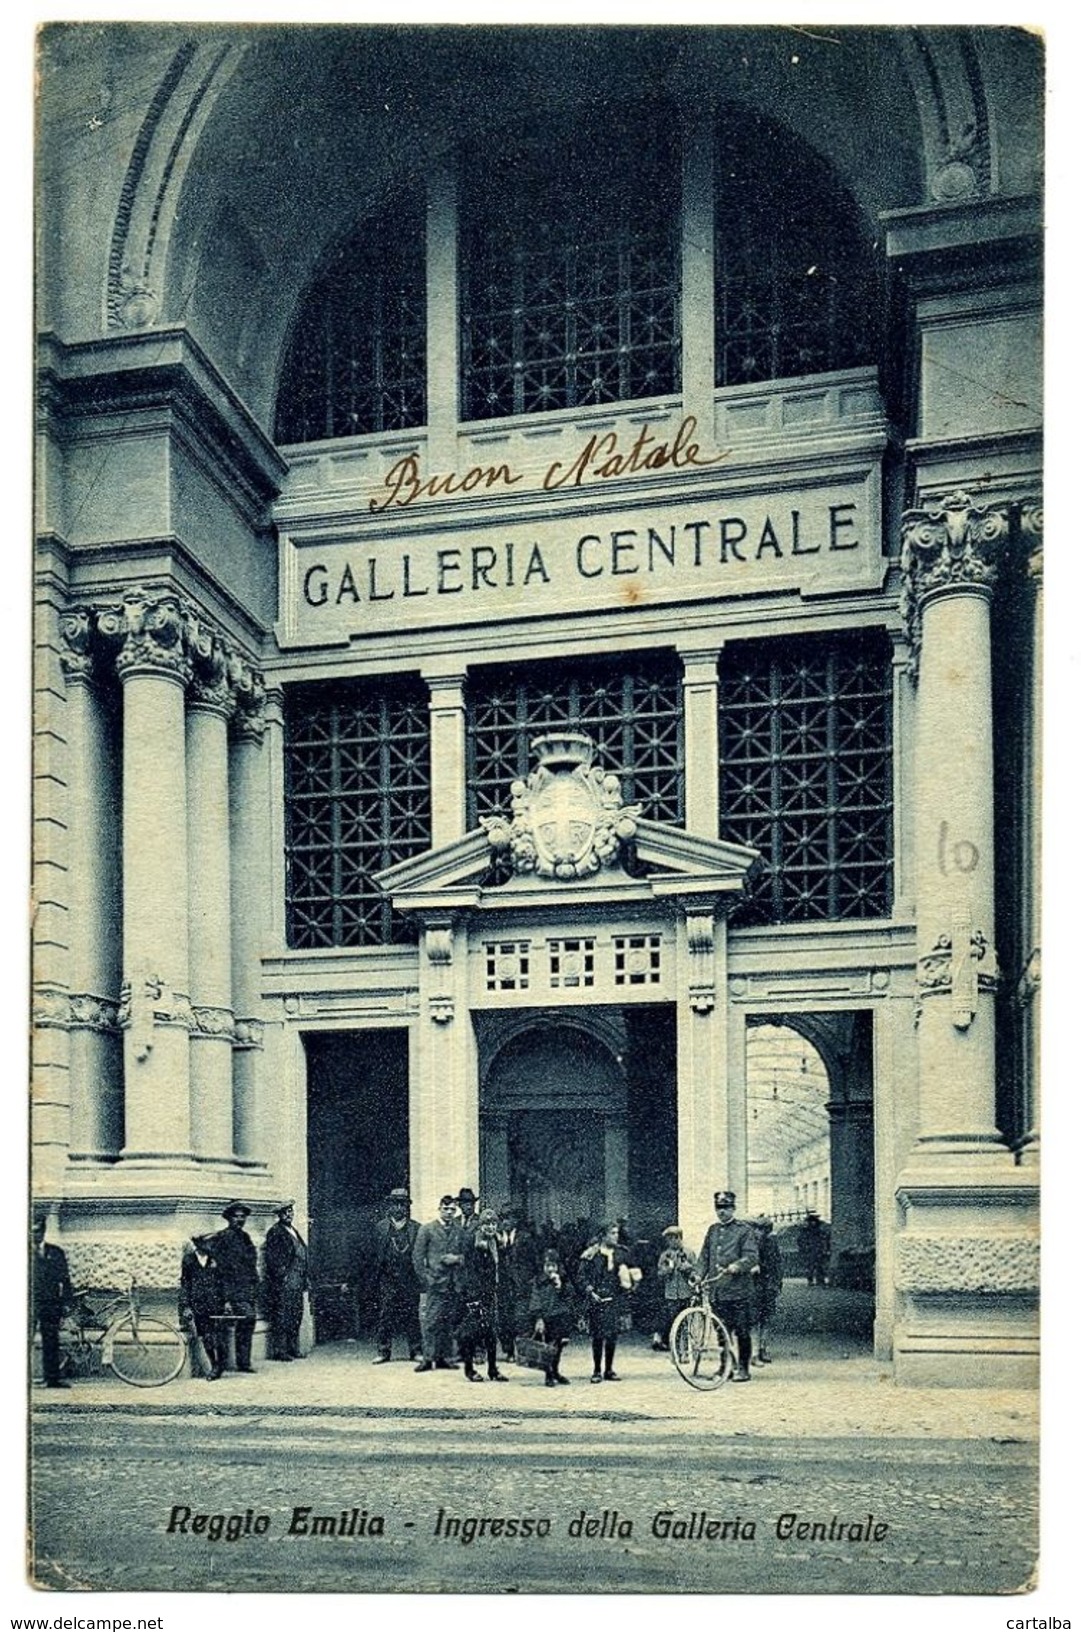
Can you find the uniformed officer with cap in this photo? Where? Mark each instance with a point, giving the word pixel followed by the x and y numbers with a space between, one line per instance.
pixel 727 1261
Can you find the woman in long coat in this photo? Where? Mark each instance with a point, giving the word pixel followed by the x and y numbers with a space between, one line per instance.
pixel 605 1280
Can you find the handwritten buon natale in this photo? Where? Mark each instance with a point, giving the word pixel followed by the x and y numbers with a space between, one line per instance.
pixel 599 459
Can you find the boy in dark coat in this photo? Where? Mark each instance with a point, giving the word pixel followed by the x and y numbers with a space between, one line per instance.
pixel 551 1309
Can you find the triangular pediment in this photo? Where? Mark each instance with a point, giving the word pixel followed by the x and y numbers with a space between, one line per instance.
pixel 668 861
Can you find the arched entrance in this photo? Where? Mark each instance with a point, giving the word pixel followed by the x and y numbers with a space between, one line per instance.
pixel 810 1152
pixel 578 1114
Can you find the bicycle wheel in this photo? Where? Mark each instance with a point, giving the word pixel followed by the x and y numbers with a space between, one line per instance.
pixel 78 1356
pixel 144 1351
pixel 700 1348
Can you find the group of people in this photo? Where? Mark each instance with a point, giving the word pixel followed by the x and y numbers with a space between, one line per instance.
pixel 487 1285
pixel 219 1289
pixel 459 1290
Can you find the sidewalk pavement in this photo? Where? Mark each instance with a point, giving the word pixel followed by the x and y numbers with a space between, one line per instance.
pixel 810 1391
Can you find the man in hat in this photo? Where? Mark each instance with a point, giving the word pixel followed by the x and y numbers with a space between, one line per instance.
pixel 394 1279
pixel 727 1261
pixel 285 1253
pixel 468 1216
pixel 51 1294
pixel 438 1255
pixel 234 1252
pixel 201 1304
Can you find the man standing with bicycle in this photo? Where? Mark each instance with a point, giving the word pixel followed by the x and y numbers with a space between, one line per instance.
pixel 726 1263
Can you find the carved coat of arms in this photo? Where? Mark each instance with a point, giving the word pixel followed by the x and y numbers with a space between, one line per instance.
pixel 569 819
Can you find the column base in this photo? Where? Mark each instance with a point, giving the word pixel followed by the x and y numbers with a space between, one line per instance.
pixel 958 1341
pixel 966 1263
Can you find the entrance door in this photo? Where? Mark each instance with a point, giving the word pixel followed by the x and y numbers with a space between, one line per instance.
pixel 556 1165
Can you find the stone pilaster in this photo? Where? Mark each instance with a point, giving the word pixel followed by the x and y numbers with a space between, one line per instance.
pixel 253 887
pixel 443 1097
pixel 701 738
pixel 1030 528
pixel 446 712
pixel 154 669
pixel 211 702
pixel 702 1107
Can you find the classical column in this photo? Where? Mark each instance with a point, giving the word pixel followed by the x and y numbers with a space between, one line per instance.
pixel 701 742
pixel 210 704
pixel 950 553
pixel 257 888
pixel 446 711
pixel 702 1109
pixel 97 1103
pixel 1030 526
pixel 155 1009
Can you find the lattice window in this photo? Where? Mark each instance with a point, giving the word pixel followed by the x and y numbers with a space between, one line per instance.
pixel 570 271
pixel 506 966
pixel 358 798
pixel 632 713
pixel 806 775
pixel 793 274
pixel 637 960
pixel 571 962
pixel 356 361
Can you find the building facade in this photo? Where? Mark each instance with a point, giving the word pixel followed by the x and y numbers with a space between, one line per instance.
pixel 539 546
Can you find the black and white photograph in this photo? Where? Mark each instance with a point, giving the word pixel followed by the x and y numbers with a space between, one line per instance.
pixel 538 718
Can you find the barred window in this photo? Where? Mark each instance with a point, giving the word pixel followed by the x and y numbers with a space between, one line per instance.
pixel 569 269
pixel 358 798
pixel 633 713
pixel 793 289
pixel 357 357
pixel 806 774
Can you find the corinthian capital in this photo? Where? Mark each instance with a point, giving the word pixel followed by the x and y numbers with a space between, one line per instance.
pixel 148 631
pixel 76 658
pixel 952 544
pixel 210 683
pixel 1030 527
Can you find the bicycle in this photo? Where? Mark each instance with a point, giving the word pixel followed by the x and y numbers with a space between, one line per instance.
pixel 702 1348
pixel 143 1350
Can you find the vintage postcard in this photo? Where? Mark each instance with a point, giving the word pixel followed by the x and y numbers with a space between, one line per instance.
pixel 537 714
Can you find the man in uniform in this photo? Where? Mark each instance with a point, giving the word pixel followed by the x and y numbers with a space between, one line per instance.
pixel 437 1258
pixel 52 1298
pixel 233 1251
pixel 394 1279
pixel 727 1261
pixel 286 1257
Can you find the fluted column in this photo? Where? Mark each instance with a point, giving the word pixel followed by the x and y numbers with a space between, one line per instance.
pixel 97 1102
pixel 446 710
pixel 254 886
pixel 209 707
pixel 155 1010
pixel 950 555
pixel 701 742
